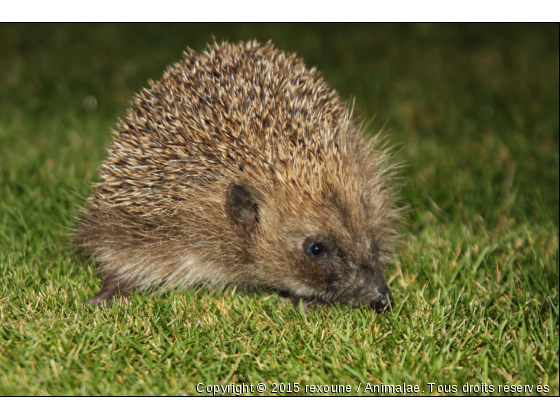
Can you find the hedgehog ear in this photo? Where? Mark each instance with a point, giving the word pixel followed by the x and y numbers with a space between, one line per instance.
pixel 241 206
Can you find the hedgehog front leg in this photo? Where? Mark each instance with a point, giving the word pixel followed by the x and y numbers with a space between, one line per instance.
pixel 111 289
pixel 308 303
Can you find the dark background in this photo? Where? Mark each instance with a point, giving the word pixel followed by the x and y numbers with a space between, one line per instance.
pixel 454 96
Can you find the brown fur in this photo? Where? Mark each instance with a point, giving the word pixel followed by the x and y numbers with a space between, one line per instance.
pixel 222 173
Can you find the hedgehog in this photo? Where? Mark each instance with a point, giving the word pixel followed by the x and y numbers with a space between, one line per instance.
pixel 242 168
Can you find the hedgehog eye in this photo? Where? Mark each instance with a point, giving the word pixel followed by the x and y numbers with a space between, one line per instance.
pixel 316 249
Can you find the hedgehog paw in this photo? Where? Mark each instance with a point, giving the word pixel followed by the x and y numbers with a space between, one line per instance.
pixel 108 292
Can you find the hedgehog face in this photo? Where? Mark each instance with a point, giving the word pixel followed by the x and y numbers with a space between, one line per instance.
pixel 339 267
pixel 323 250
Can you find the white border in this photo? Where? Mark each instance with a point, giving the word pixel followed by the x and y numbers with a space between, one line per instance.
pixel 277 408
pixel 279 11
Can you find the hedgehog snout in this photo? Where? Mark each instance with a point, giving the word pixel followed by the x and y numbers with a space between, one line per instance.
pixel 378 296
pixel 382 299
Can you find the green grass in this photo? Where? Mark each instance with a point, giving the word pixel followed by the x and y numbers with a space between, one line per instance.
pixel 475 109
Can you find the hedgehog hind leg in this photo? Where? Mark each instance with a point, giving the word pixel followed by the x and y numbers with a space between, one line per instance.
pixel 111 290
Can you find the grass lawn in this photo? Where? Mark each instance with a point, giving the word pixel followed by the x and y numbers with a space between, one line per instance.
pixel 475 110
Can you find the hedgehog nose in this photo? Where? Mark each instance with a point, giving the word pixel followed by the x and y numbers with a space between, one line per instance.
pixel 382 301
